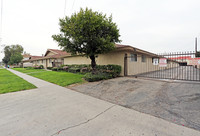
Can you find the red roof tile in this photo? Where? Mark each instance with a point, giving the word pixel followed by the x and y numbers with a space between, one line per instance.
pixel 180 58
pixel 120 45
pixel 57 52
pixel 36 57
pixel 26 55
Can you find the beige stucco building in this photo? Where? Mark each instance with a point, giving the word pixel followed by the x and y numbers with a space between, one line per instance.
pixel 132 60
pixel 52 58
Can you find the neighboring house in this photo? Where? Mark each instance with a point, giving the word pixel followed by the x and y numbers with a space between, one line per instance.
pixel 181 59
pixel 52 58
pixel 194 62
pixel 26 57
pixel 187 61
pixel 132 60
pixel 28 61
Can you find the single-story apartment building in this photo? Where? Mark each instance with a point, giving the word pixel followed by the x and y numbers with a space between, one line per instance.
pixel 132 60
pixel 52 58
pixel 25 61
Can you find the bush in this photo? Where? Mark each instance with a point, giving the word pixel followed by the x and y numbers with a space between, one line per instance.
pixel 41 67
pixel 38 67
pixel 56 68
pixel 74 69
pixel 114 70
pixel 16 67
pixel 103 71
pixel 29 68
pixel 49 68
pixel 97 77
pixel 77 68
pixel 65 68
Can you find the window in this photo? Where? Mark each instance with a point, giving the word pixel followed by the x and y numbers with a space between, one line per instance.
pixel 38 61
pixel 42 61
pixel 133 57
pixel 49 60
pixel 143 58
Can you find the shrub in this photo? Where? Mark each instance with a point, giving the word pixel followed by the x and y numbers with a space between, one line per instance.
pixel 49 68
pixel 41 67
pixel 97 77
pixel 77 68
pixel 84 70
pixel 103 71
pixel 60 68
pixel 74 69
pixel 16 67
pixel 28 68
pixel 115 70
pixel 56 68
pixel 38 67
pixel 65 68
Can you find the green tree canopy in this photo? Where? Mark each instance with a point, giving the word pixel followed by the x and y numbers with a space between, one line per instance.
pixel 14 51
pixel 16 58
pixel 7 53
pixel 88 33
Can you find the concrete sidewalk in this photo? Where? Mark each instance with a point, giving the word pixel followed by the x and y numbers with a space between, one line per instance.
pixel 53 110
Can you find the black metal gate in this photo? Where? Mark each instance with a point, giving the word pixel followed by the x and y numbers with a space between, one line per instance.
pixel 176 66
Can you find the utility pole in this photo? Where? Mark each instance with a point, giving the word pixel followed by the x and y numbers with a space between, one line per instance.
pixel 196 45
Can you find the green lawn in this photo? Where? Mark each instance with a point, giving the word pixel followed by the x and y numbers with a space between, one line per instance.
pixel 10 82
pixel 27 70
pixel 59 78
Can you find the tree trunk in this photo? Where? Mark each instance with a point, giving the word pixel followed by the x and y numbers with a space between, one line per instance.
pixel 93 64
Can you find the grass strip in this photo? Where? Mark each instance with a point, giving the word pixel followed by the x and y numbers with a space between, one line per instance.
pixel 60 78
pixel 10 82
pixel 27 70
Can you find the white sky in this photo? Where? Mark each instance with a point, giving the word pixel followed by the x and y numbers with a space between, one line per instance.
pixel 153 25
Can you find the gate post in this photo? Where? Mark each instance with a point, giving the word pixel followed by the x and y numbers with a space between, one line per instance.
pixel 125 65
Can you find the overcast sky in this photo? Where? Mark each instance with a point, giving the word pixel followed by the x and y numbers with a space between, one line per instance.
pixel 153 25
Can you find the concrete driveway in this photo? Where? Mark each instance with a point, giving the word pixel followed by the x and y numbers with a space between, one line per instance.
pixel 51 110
pixel 177 102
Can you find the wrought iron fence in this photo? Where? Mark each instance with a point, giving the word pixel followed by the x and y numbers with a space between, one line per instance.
pixel 176 66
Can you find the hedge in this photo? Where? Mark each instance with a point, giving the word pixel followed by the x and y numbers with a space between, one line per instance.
pixel 102 71
pixel 97 77
pixel 38 67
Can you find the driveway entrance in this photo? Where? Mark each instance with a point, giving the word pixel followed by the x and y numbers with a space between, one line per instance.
pixel 177 102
